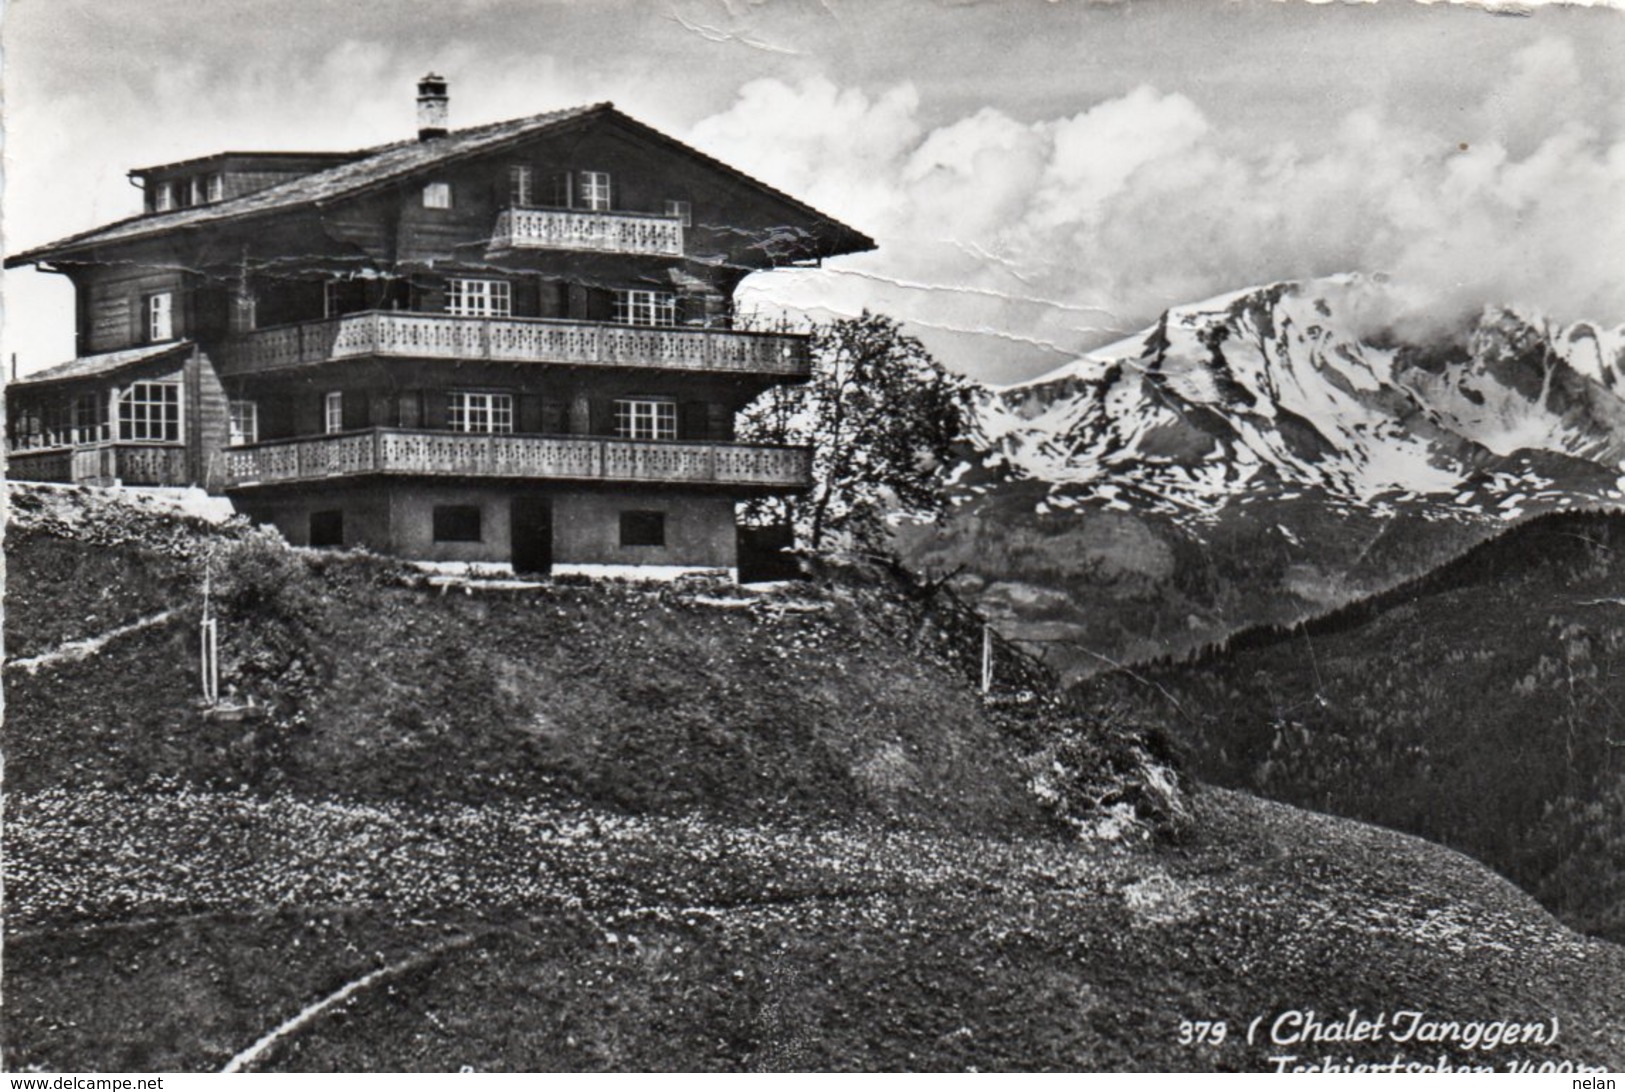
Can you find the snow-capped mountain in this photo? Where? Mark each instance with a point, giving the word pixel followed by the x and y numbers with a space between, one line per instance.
pixel 1264 456
pixel 1307 386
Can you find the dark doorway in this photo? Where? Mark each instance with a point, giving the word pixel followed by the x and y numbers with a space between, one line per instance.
pixel 531 526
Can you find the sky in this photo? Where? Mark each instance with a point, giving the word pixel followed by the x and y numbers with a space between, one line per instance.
pixel 1042 176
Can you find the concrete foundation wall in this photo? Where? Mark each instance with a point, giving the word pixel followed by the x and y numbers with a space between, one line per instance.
pixel 398 518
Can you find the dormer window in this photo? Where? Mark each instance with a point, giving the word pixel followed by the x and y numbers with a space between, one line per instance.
pixel 195 192
pixel 215 187
pixel 437 195
pixel 163 197
pixel 592 190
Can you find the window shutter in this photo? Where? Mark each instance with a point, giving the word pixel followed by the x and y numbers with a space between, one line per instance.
pixel 434 409
pixel 695 422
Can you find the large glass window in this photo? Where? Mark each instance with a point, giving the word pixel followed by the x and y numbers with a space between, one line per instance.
pixel 150 411
pixel 479 411
pixel 491 299
pixel 646 418
pixel 636 307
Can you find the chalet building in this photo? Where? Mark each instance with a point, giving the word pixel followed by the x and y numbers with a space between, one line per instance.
pixel 514 343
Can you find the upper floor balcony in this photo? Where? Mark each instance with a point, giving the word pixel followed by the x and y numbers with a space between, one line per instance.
pixel 412 335
pixel 417 452
pixel 600 232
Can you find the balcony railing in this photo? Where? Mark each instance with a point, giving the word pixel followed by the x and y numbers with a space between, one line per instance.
pixel 101 464
pixel 525 340
pixel 502 455
pixel 601 232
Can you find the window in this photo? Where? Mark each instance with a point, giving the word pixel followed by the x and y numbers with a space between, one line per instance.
pixel 477 411
pixel 327 528
pixel 163 197
pixel 333 411
pixel 194 190
pixel 89 418
pixel 331 299
pixel 643 528
pixel 592 190
pixel 457 523
pixel 470 297
pixel 244 424
pixel 150 411
pixel 635 307
pixel 160 317
pixel 682 211
pixel 216 187
pixel 646 418
pixel 437 195
pixel 520 185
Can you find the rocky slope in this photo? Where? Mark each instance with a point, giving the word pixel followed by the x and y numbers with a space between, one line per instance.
pixel 1261 455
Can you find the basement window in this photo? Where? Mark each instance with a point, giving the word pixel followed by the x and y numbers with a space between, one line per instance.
pixel 645 419
pixel 327 528
pixel 457 523
pixel 642 528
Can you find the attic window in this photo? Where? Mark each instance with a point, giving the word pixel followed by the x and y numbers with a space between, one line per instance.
pixel 437 195
pixel 592 190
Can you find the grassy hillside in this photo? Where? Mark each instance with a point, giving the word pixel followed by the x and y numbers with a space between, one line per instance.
pixel 615 826
pixel 1482 706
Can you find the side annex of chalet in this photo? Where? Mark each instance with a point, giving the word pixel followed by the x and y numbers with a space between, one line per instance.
pixel 513 344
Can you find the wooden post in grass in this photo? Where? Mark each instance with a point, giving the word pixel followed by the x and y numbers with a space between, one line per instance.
pixel 209 644
pixel 987 657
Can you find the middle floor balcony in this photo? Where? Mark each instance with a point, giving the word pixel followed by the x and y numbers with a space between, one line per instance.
pixel 440 453
pixel 419 336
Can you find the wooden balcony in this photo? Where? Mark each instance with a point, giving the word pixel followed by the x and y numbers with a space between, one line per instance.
pixel 105 463
pixel 505 455
pixel 410 335
pixel 595 232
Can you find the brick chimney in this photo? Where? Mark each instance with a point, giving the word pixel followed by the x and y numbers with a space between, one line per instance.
pixel 433 107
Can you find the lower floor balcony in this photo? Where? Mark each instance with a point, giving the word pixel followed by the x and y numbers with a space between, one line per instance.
pixel 422 452
pixel 104 463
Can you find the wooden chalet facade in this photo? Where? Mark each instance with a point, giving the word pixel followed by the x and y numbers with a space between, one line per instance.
pixel 506 344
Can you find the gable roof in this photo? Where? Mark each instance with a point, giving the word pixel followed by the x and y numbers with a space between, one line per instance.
pixel 102 364
pixel 389 163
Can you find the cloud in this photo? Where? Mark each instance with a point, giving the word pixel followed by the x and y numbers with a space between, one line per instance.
pixel 1008 242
